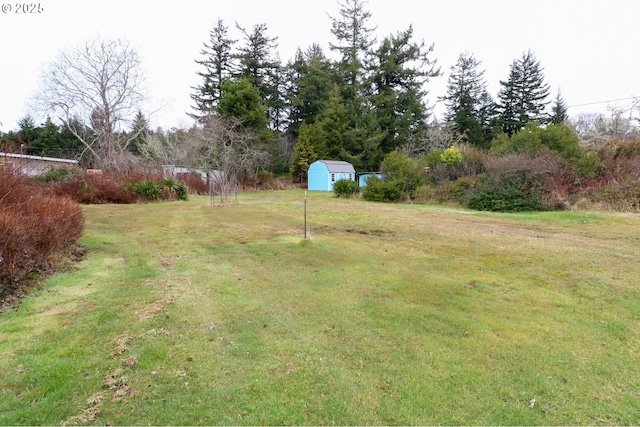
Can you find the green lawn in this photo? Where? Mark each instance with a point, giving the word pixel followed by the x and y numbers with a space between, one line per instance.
pixel 187 314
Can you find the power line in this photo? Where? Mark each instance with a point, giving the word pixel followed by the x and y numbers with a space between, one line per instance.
pixel 603 102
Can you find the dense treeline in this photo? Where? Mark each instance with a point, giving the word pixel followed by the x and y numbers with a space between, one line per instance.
pixel 363 101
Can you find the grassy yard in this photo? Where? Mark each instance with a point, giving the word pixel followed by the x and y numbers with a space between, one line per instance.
pixel 388 314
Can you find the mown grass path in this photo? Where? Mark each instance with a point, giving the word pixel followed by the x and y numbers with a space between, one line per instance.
pixel 186 314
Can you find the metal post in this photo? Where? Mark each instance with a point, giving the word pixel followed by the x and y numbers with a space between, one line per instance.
pixel 305 214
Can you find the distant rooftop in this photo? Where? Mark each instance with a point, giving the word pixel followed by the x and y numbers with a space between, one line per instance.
pixel 27 157
pixel 338 166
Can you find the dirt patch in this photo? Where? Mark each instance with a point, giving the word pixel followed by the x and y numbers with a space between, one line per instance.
pixel 122 342
pixel 150 310
pixel 130 361
pixel 353 230
pixel 53 311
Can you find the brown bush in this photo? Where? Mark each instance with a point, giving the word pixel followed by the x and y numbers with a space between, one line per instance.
pixel 105 187
pixel 94 189
pixel 194 182
pixel 36 227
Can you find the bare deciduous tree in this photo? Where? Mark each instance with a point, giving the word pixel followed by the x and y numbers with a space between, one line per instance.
pixel 597 129
pixel 227 153
pixel 95 89
pixel 165 148
pixel 437 136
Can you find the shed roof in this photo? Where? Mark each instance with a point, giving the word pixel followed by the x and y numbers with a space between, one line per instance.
pixel 28 157
pixel 337 166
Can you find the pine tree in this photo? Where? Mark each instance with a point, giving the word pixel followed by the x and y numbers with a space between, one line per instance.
pixel 468 103
pixel 309 148
pixel 354 39
pixel 399 72
pixel 241 101
pixel 311 80
pixel 27 133
pixel 47 143
pixel 139 133
pixel 260 65
pixel 559 110
pixel 334 122
pixel 354 44
pixel 218 65
pixel 522 97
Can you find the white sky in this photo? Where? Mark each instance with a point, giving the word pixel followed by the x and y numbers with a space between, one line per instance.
pixel 588 48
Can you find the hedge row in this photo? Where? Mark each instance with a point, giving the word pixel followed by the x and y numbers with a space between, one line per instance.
pixel 36 228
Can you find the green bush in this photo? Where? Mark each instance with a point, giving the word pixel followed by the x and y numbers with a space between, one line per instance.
pixel 148 190
pixel 519 191
pixel 181 191
pixel 346 188
pixel 381 190
pixel 451 156
pixel 404 172
pixel 459 187
pixel 53 175
pixel 170 186
pixel 434 157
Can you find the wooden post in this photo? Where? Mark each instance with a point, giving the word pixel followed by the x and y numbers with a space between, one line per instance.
pixel 305 214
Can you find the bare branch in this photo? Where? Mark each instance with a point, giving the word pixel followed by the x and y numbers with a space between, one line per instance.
pixel 95 89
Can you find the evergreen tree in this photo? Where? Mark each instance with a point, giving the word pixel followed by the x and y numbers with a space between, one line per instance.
pixel 311 80
pixel 218 66
pixel 399 72
pixel 48 141
pixel 27 133
pixel 354 42
pixel 241 100
pixel 359 143
pixel 522 97
pixel 467 100
pixel 354 39
pixel 334 123
pixel 260 65
pixel 559 110
pixel 308 149
pixel 70 146
pixel 139 133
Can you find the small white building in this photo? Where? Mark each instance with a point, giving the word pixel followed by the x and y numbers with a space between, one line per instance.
pixel 33 165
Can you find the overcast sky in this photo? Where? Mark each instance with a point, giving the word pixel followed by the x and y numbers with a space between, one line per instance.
pixel 588 48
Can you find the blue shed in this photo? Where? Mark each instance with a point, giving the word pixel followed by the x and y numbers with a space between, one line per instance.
pixel 362 178
pixel 323 173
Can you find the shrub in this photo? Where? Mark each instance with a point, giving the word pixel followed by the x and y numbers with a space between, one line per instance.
pixel 181 191
pixel 96 189
pixel 434 157
pixel 459 187
pixel 451 156
pixel 404 172
pixel 121 188
pixel 426 194
pixel 534 137
pixel 624 196
pixel 171 189
pixel 36 227
pixel 147 190
pixel 194 183
pixel 346 188
pixel 382 190
pixel 519 191
pixel 54 175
